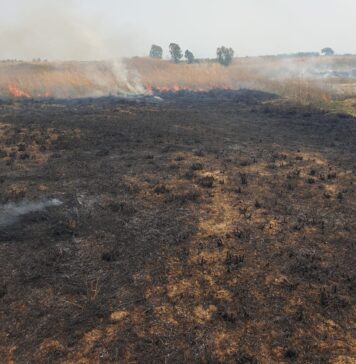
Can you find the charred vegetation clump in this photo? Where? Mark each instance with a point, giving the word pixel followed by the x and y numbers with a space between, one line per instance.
pixel 243 178
pixel 207 181
pixel 197 166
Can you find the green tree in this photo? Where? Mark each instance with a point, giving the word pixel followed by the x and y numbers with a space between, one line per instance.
pixel 156 51
pixel 225 55
pixel 189 56
pixel 327 51
pixel 176 52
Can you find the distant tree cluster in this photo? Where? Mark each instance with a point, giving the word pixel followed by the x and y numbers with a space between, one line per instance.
pixel 224 55
pixel 175 51
pixel 327 51
pixel 306 54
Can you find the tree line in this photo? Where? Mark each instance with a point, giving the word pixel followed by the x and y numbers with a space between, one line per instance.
pixel 224 55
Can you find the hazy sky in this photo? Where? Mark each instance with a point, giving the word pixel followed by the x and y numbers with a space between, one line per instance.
pixel 91 29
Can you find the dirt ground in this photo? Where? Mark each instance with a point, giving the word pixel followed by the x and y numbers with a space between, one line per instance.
pixel 210 227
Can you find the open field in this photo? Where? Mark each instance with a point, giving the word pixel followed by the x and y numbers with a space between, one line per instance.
pixel 207 227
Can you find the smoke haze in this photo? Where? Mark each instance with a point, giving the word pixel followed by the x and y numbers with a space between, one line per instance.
pixel 109 30
pixel 93 29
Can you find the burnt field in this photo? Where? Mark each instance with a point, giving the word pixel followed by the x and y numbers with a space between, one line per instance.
pixel 200 228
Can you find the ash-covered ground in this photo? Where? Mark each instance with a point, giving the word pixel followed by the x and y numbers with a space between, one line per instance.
pixel 212 227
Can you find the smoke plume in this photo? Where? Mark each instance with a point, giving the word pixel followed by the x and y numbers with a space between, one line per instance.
pixel 58 30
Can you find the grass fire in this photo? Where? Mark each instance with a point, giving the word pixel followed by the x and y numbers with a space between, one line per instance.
pixel 177 182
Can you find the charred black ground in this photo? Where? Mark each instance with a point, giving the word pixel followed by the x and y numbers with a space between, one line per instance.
pixel 199 227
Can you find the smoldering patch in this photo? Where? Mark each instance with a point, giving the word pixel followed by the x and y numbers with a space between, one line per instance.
pixel 11 213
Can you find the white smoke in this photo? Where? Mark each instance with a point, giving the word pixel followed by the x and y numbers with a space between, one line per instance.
pixel 307 68
pixel 60 31
pixel 113 78
pixel 12 212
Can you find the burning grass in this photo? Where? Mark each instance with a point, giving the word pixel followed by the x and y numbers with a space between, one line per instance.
pixel 305 80
pixel 67 80
pixel 165 76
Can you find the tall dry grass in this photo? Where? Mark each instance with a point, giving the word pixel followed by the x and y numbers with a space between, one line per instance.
pixel 288 77
pixel 255 74
pixel 67 79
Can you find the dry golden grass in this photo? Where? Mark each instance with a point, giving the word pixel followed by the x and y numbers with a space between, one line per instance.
pixel 282 76
pixel 288 77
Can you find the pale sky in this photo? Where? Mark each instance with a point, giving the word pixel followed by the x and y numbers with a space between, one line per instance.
pixel 95 29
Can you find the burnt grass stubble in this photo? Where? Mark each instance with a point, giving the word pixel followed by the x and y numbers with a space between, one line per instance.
pixel 210 227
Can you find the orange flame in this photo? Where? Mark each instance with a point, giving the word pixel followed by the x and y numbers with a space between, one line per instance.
pixel 148 88
pixel 17 92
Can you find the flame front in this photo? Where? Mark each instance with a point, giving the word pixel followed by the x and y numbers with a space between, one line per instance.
pixel 15 91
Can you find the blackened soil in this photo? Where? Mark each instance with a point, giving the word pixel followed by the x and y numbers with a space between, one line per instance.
pixel 204 228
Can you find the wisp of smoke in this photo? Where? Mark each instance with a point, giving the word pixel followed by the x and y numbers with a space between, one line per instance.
pixel 12 212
